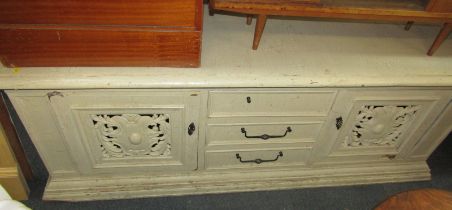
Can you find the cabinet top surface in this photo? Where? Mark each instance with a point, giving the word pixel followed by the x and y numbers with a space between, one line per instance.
pixel 292 53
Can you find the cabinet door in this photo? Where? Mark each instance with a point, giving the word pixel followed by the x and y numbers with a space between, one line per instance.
pixel 126 132
pixel 378 125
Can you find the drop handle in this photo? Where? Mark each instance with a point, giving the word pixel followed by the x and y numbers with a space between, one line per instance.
pixel 266 136
pixel 259 160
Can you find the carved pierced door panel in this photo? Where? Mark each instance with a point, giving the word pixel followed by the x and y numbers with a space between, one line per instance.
pixel 128 131
pixel 378 125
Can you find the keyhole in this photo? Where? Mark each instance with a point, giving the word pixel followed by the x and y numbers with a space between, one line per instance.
pixel 248 99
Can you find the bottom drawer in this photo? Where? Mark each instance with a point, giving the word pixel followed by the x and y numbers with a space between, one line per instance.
pixel 256 158
pixel 91 46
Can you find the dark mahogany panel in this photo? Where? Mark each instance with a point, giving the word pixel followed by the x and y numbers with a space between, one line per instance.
pixel 181 13
pixel 26 47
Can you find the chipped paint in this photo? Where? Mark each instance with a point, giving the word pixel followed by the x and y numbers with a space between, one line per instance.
pixel 54 93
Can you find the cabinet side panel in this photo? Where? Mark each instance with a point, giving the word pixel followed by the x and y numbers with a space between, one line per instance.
pixel 437 133
pixel 34 110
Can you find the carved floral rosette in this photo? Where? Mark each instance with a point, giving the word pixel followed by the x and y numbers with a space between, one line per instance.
pixel 380 125
pixel 133 135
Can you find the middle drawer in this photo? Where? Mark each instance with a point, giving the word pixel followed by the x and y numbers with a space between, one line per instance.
pixel 270 103
pixel 263 132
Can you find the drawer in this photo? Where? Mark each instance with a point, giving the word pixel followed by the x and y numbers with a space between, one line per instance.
pixel 28 47
pixel 181 13
pixel 251 159
pixel 254 133
pixel 270 103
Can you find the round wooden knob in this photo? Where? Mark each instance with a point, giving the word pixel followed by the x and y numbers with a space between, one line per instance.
pixel 431 199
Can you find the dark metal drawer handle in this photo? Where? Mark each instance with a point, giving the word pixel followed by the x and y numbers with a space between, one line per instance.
pixel 266 136
pixel 258 160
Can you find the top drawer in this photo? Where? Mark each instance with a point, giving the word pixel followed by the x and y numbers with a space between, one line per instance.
pixel 270 103
pixel 180 13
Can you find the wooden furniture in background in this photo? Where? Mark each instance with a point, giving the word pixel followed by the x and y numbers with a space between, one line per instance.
pixel 421 199
pixel 11 177
pixel 100 33
pixel 435 11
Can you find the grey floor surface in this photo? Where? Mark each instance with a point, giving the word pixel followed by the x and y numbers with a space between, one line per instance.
pixel 328 198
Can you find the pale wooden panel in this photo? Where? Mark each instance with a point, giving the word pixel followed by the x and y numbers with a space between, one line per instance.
pixel 10 177
pixel 6 155
pixel 14 183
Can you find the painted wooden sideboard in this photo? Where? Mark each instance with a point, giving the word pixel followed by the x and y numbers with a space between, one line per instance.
pixel 281 118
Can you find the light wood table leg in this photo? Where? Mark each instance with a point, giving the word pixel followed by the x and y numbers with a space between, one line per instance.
pixel 408 25
pixel 249 19
pixel 443 34
pixel 260 25
pixel 211 12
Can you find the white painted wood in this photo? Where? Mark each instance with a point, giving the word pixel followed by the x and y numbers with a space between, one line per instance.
pixel 77 110
pixel 35 112
pixel 434 136
pixel 125 143
pixel 202 182
pixel 314 153
pixel 379 124
pixel 270 103
pixel 292 53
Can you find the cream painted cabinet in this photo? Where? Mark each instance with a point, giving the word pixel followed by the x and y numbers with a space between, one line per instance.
pixel 105 144
pixel 125 132
pixel 379 125
pixel 252 129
